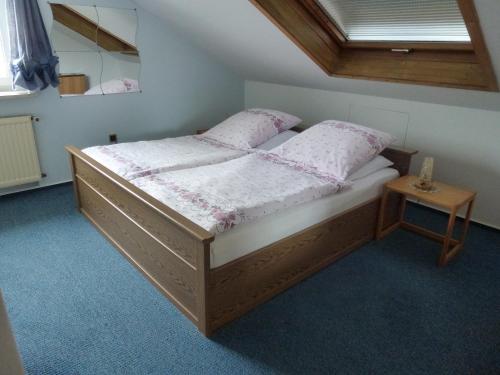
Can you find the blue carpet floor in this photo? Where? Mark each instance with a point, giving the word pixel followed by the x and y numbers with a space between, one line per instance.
pixel 78 307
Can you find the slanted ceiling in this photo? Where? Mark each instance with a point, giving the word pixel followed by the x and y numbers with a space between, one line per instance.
pixel 237 33
pixel 87 28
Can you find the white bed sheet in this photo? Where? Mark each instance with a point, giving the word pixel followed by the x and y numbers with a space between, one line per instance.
pixel 248 237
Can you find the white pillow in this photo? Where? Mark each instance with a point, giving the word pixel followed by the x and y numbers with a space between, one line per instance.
pixel 374 165
pixel 251 128
pixel 277 140
pixel 132 85
pixel 334 148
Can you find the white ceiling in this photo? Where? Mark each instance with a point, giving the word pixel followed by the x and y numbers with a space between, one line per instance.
pixel 237 34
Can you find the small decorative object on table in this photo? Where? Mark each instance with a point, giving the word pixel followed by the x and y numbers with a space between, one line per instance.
pixel 424 181
pixel 444 196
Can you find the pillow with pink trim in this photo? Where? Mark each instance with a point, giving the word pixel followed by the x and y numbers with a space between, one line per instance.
pixel 250 128
pixel 334 148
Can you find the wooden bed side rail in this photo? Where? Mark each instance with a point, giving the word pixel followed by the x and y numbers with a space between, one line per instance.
pixel 169 249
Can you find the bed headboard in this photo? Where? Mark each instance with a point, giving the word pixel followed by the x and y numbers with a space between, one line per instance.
pixel 401 157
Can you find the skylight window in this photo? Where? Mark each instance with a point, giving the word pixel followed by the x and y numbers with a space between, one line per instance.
pixel 398 20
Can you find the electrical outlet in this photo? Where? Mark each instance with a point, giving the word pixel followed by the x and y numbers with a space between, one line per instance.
pixel 113 138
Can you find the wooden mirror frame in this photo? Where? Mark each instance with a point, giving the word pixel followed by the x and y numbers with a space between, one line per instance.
pixel 450 64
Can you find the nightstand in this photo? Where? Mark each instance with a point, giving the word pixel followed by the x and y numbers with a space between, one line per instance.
pixel 445 196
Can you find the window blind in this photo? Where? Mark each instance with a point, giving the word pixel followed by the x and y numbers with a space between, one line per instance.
pixel 398 20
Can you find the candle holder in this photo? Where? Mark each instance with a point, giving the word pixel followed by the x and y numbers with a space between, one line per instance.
pixel 424 181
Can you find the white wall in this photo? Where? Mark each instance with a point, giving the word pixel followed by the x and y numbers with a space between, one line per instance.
pixel 465 142
pixel 183 89
pixel 259 51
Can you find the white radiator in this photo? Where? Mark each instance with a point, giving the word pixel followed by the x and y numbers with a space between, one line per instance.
pixel 19 162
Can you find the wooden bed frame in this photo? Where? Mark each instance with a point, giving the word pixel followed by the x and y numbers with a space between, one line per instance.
pixel 174 253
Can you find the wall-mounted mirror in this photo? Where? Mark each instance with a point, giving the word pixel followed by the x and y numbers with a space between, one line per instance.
pixel 97 49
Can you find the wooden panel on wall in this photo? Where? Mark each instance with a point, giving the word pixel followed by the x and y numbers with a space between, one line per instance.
pixel 456 65
pixel 481 50
pixel 370 65
pixel 303 29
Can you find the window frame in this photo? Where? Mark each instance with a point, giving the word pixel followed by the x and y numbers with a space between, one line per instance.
pixel 449 64
pixel 6 90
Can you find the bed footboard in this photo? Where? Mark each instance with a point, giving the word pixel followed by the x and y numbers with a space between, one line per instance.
pixel 171 251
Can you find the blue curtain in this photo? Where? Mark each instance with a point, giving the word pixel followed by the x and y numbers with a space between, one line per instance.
pixel 32 63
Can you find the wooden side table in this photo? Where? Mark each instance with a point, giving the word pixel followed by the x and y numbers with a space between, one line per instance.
pixel 446 196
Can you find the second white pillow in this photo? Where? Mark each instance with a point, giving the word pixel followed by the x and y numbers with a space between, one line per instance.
pixel 334 148
pixel 252 127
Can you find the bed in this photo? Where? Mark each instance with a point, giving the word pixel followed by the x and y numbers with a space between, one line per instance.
pixel 207 277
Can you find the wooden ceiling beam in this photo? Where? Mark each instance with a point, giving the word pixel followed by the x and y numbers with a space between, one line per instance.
pixel 309 34
pixel 420 67
pixel 471 19
pixel 91 30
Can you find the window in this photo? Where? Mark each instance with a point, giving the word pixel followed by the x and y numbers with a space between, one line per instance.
pixel 4 66
pixel 398 20
pixel 425 42
pixel 5 75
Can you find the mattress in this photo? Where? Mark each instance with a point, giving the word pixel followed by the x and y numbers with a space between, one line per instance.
pixel 248 237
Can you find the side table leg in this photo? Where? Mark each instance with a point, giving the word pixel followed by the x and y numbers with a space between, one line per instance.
pixel 443 259
pixel 467 221
pixel 402 209
pixel 380 223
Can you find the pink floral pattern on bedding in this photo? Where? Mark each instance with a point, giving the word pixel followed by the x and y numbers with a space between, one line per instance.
pixel 221 196
pixel 278 121
pixel 300 167
pixel 334 148
pixel 250 128
pixel 129 165
pixel 225 219
pixel 140 159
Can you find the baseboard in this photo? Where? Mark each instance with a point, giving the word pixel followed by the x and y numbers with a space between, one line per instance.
pixel 30 188
pixel 444 212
